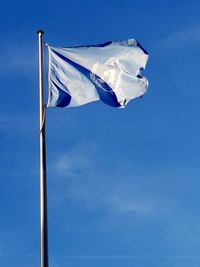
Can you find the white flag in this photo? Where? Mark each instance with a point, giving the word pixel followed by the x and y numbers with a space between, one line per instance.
pixel 108 72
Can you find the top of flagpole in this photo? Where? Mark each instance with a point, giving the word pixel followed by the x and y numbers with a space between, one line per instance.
pixel 40 32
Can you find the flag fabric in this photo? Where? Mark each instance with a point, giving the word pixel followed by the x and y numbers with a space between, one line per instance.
pixel 109 72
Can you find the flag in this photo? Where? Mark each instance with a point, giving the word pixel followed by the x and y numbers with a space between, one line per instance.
pixel 110 72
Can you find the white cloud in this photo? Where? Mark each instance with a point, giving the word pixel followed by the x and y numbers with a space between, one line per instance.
pixel 69 164
pixel 124 204
pixel 86 183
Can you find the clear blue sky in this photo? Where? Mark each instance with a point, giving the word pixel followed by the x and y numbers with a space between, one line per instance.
pixel 123 185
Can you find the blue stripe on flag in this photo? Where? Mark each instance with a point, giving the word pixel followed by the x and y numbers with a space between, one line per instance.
pixel 98 45
pixel 139 45
pixel 63 99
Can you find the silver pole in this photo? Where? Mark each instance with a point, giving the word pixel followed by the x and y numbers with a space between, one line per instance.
pixel 43 189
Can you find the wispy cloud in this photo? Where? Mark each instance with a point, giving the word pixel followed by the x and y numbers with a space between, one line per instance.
pixel 15 123
pixel 72 163
pixel 111 192
pixel 180 39
pixel 131 256
pixel 20 58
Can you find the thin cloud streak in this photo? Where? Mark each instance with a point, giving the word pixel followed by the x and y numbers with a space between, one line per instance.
pixel 18 255
pixel 18 58
pixel 18 122
pixel 181 39
pixel 129 257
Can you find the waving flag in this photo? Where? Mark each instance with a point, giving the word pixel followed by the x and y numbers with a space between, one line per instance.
pixel 108 72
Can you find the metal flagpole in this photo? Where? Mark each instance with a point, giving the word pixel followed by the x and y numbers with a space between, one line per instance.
pixel 43 189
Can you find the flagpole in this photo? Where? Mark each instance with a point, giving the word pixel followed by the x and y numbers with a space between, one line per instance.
pixel 43 189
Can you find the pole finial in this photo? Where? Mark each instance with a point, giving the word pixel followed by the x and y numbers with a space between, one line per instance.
pixel 40 32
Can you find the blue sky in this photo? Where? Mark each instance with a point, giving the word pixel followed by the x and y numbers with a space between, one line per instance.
pixel 123 185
